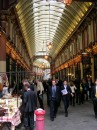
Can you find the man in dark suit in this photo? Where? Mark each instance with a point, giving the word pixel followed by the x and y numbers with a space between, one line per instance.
pixel 66 91
pixel 94 97
pixel 77 91
pixel 31 86
pixel 54 97
pixel 90 84
pixel 30 104
pixel 59 83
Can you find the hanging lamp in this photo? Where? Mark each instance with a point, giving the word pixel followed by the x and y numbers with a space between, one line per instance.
pixel 67 2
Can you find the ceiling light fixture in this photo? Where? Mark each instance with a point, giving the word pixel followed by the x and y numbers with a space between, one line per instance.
pixel 67 2
pixel 49 46
pixel 43 66
pixel 46 57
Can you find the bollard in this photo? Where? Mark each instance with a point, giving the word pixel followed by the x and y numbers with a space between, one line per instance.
pixel 40 119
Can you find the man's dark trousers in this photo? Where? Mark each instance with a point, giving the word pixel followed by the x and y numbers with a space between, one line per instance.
pixel 66 102
pixel 29 120
pixel 95 106
pixel 53 108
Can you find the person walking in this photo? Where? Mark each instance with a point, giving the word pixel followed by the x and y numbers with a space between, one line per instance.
pixel 40 91
pixel 54 97
pixel 66 92
pixel 30 104
pixel 77 91
pixel 90 84
pixel 85 89
pixel 73 89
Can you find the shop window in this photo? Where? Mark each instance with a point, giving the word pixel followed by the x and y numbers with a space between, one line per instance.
pixel 95 29
pixel 92 33
pixel 62 58
pixel 83 41
pixel 78 44
pixel 70 51
pixel 86 37
pixel 66 54
pixel 95 60
pixel 11 26
pixel 75 47
pixel 80 41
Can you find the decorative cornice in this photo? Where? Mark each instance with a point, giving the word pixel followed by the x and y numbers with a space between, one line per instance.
pixel 76 59
pixel 67 64
pixel 10 50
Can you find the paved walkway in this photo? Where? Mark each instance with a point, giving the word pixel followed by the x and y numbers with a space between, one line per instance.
pixel 81 117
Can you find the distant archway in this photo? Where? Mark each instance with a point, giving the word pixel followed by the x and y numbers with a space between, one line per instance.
pixel 41 61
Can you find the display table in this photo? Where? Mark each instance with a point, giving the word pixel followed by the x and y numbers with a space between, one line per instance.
pixel 12 113
pixel 14 119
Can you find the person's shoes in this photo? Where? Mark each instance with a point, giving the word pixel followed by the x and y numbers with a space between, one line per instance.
pixel 26 128
pixel 66 114
pixel 23 128
pixel 31 128
pixel 54 116
pixel 52 119
pixel 96 116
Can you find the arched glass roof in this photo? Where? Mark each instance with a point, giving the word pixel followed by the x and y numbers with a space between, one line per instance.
pixel 49 21
pixel 40 61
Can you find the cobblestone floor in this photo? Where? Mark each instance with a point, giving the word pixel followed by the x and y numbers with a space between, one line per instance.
pixel 81 117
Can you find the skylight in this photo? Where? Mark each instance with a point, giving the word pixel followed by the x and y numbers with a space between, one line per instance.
pixel 47 15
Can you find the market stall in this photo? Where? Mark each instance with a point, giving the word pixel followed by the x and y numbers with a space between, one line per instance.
pixel 12 113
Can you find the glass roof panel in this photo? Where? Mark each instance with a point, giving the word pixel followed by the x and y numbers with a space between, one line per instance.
pixel 44 17
pixel 49 21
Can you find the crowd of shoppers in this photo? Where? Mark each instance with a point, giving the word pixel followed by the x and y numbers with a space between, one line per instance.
pixel 75 92
pixel 71 93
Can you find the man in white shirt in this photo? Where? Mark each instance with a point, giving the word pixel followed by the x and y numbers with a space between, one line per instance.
pixel 66 91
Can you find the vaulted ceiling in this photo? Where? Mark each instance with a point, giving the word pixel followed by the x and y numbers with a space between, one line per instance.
pixel 44 21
